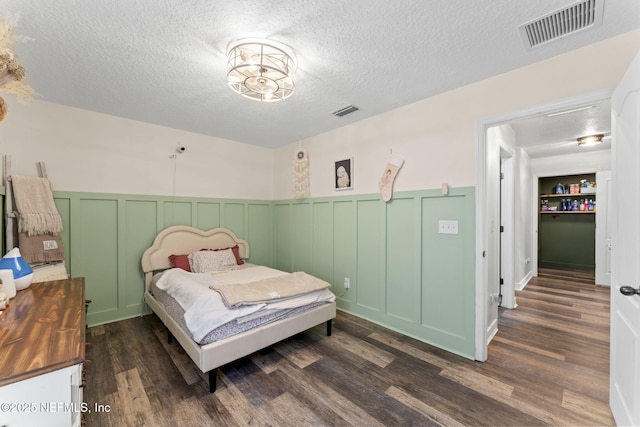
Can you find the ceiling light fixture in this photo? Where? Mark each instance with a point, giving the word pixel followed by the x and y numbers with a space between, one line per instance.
pixel 588 140
pixel 260 69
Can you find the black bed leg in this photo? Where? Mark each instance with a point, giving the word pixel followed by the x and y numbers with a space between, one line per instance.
pixel 328 328
pixel 169 336
pixel 213 377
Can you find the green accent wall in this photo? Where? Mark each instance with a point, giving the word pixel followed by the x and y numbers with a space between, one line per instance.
pixel 105 235
pixel 404 274
pixel 566 240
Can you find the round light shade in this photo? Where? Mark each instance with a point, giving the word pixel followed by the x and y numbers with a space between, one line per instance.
pixel 262 70
pixel 22 272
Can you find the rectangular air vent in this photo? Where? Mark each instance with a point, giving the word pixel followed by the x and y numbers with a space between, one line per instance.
pixel 346 110
pixel 568 20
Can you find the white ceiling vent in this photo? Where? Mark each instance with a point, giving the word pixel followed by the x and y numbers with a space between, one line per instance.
pixel 346 110
pixel 568 20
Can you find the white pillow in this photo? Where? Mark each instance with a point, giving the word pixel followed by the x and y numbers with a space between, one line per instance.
pixel 208 261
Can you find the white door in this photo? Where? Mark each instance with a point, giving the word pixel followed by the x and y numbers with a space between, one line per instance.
pixel 603 228
pixel 625 310
pixel 493 232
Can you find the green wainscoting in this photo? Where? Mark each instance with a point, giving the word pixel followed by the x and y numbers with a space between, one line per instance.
pixel 105 235
pixel 404 274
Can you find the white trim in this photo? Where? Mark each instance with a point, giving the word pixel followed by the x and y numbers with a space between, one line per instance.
pixel 481 227
pixel 603 221
pixel 534 225
pixel 569 170
pixel 524 282
pixel 481 263
pixel 493 330
pixel 507 238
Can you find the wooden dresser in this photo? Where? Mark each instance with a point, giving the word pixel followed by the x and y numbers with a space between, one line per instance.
pixel 42 350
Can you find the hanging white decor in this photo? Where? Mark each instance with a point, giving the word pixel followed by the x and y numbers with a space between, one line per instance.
pixel 301 173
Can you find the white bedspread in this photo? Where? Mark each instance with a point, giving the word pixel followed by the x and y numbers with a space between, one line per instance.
pixel 204 308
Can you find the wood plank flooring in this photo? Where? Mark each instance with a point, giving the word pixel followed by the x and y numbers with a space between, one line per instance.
pixel 548 365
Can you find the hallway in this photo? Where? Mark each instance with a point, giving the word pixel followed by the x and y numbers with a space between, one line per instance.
pixel 557 343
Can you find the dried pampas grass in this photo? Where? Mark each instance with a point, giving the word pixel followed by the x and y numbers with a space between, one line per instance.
pixel 3 109
pixel 6 36
pixel 11 72
pixel 21 90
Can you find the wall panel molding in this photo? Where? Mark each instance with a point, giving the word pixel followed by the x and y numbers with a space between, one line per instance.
pixel 404 274
pixel 105 235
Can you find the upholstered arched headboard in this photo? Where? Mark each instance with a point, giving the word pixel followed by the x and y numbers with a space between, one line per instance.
pixel 182 239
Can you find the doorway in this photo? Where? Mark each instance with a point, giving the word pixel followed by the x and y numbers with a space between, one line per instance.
pixel 524 207
pixel 566 222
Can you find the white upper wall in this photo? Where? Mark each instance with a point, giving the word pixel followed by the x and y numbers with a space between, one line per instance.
pixel 594 161
pixel 437 136
pixel 92 152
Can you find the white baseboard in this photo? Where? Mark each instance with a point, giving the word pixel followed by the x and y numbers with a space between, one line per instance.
pixel 492 331
pixel 525 280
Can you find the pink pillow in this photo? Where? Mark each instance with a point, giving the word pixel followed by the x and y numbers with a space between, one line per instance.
pixel 180 261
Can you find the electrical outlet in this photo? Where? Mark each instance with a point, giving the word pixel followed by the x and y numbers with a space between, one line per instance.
pixel 347 283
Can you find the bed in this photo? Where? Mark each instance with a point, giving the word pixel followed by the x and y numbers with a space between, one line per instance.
pixel 208 357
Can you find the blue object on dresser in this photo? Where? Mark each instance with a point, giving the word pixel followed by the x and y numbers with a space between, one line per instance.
pixel 22 272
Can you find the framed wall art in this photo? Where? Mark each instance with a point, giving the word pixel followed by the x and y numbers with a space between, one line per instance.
pixel 343 174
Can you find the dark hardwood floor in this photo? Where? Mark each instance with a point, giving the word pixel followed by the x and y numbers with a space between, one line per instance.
pixel 548 365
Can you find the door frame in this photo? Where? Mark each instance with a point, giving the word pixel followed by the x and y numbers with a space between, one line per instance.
pixel 568 170
pixel 482 227
pixel 507 237
pixel 604 225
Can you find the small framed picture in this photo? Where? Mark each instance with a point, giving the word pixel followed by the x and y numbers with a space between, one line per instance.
pixel 343 174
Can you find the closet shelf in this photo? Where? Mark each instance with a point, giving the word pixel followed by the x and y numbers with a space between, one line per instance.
pixel 576 195
pixel 567 212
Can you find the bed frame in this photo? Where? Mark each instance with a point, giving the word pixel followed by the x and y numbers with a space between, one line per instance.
pixel 184 240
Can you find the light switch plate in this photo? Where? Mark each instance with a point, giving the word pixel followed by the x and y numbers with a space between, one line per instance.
pixel 447 227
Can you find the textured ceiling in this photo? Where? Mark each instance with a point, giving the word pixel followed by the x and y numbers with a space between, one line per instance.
pixel 557 133
pixel 163 61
